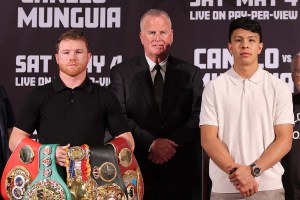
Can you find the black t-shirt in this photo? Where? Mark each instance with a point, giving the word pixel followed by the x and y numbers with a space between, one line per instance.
pixel 291 162
pixel 77 116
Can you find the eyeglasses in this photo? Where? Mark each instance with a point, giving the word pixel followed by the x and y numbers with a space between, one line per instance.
pixel 296 72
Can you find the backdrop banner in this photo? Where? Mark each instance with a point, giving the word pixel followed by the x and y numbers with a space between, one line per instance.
pixel 30 29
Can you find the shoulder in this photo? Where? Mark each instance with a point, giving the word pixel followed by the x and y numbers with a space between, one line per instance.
pixel 41 90
pixel 220 80
pixel 102 91
pixel 219 85
pixel 184 66
pixel 274 81
pixel 129 63
pixel 177 61
pixel 40 93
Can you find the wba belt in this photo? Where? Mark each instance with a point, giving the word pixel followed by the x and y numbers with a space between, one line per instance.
pixel 130 170
pixel 106 173
pixel 48 184
pixel 20 169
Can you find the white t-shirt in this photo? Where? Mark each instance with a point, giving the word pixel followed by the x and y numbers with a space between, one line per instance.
pixel 245 112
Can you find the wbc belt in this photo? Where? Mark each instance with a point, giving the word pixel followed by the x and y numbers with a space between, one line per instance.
pixel 48 184
pixel 130 170
pixel 20 169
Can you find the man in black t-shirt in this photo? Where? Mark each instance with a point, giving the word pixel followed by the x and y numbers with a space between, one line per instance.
pixel 71 110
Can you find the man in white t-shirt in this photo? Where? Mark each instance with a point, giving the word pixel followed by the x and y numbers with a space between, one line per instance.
pixel 246 122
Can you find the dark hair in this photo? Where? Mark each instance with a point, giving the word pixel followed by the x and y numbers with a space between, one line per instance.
pixel 73 34
pixel 245 23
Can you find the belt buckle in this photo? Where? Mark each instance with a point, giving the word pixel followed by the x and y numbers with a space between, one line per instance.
pixel 76 153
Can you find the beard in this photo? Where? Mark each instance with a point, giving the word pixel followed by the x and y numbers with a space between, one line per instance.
pixel 73 70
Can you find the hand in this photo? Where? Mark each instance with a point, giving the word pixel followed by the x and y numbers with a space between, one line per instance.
pixel 250 189
pixel 61 155
pixel 162 150
pixel 243 180
pixel 241 176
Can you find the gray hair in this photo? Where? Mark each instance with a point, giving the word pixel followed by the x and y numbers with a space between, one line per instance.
pixel 293 60
pixel 154 13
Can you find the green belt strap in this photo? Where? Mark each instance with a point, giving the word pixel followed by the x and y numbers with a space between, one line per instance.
pixel 48 184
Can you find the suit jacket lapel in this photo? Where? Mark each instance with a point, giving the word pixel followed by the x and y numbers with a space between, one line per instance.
pixel 144 78
pixel 173 74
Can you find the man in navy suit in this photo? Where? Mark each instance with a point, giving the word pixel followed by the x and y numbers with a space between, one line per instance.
pixel 165 126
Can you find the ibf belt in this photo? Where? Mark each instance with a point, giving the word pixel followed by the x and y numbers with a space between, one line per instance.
pixel 48 184
pixel 106 173
pixel 20 169
pixel 79 180
pixel 130 170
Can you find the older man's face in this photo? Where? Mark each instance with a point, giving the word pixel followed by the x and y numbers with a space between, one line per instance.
pixel 156 36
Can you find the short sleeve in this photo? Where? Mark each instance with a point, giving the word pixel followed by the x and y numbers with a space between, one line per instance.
pixel 208 112
pixel 284 106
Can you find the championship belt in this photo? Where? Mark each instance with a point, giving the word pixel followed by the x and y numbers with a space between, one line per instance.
pixel 129 167
pixel 20 169
pixel 106 173
pixel 48 185
pixel 79 180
